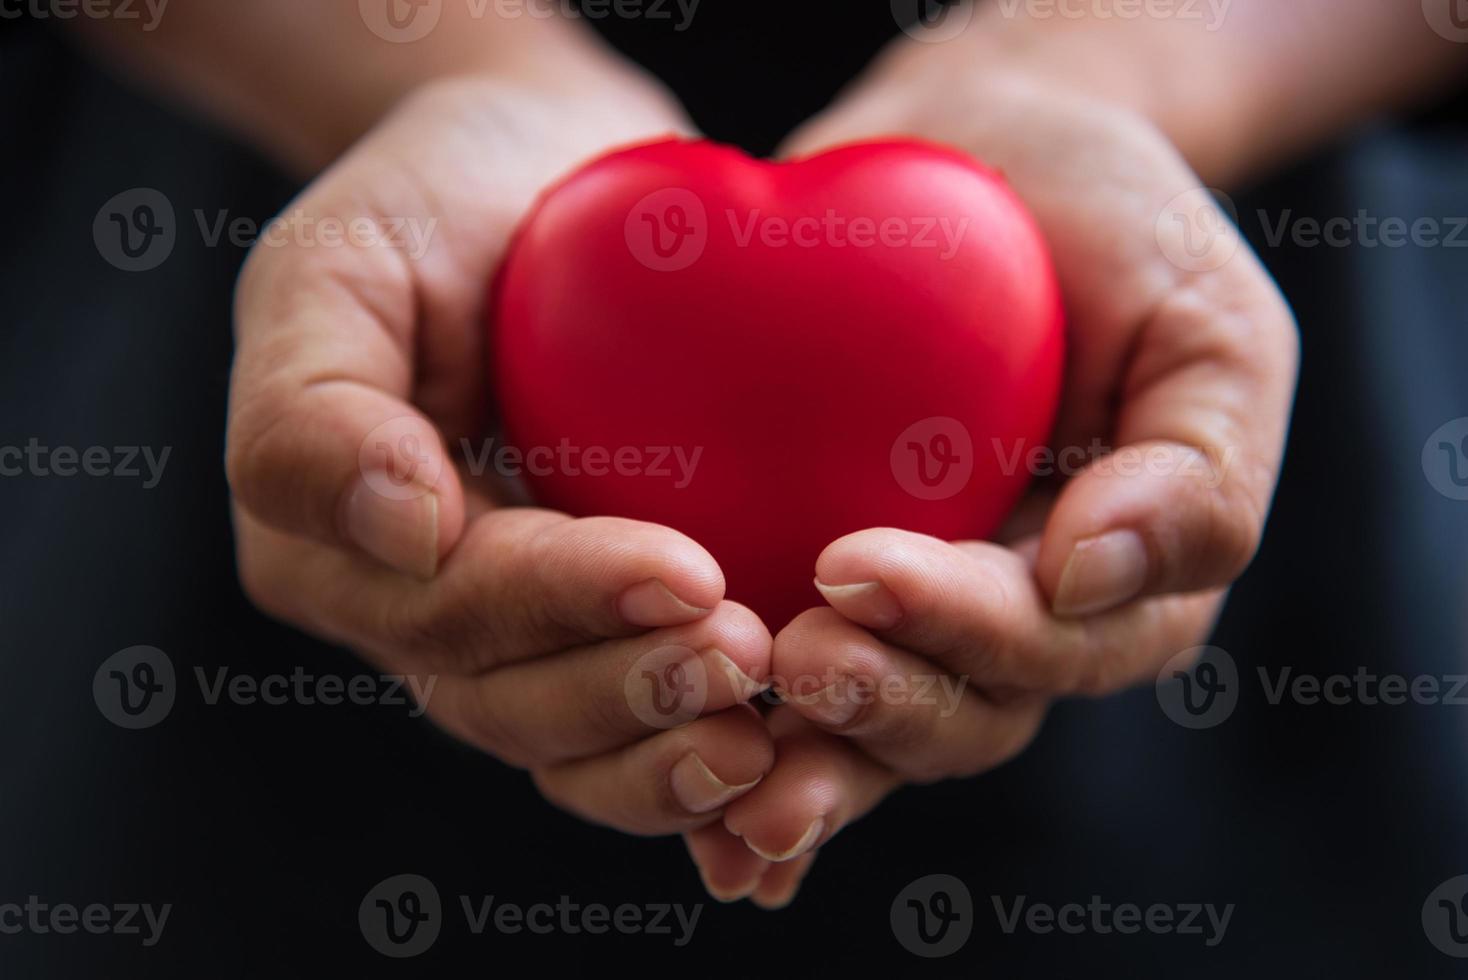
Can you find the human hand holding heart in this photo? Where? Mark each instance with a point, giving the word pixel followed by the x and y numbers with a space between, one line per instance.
pixel 1183 361
pixel 532 620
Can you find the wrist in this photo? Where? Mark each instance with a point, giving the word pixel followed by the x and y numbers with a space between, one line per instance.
pixel 1171 74
pixel 595 95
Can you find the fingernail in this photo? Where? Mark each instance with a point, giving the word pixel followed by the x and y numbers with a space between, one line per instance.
pixel 728 895
pixel 650 604
pixel 728 892
pixel 744 686
pixel 833 705
pixel 776 902
pixel 698 790
pixel 869 604
pixel 806 842
pixel 1102 573
pixel 400 533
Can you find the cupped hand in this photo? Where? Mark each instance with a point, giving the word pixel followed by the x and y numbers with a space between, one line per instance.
pixel 1180 375
pixel 360 368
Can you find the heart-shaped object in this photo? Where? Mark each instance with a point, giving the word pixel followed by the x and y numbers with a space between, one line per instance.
pixel 768 356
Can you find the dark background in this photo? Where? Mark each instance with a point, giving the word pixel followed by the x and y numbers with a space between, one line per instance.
pixel 265 826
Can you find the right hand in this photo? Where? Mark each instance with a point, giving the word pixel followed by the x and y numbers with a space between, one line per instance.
pixel 362 359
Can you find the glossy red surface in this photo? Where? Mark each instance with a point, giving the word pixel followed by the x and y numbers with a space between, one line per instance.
pixel 869 337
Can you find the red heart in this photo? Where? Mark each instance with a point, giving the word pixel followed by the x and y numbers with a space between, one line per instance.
pixel 869 337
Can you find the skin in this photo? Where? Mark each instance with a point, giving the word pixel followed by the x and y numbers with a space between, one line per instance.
pixel 532 621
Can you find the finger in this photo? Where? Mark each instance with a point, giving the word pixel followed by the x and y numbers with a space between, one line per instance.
pixel 819 784
pixel 900 709
pixel 729 870
pixel 976 610
pixel 593 699
pixel 1204 406
pixel 671 783
pixel 521 584
pixel 779 885
pixel 322 438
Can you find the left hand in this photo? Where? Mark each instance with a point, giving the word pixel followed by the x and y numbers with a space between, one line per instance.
pixel 1186 367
